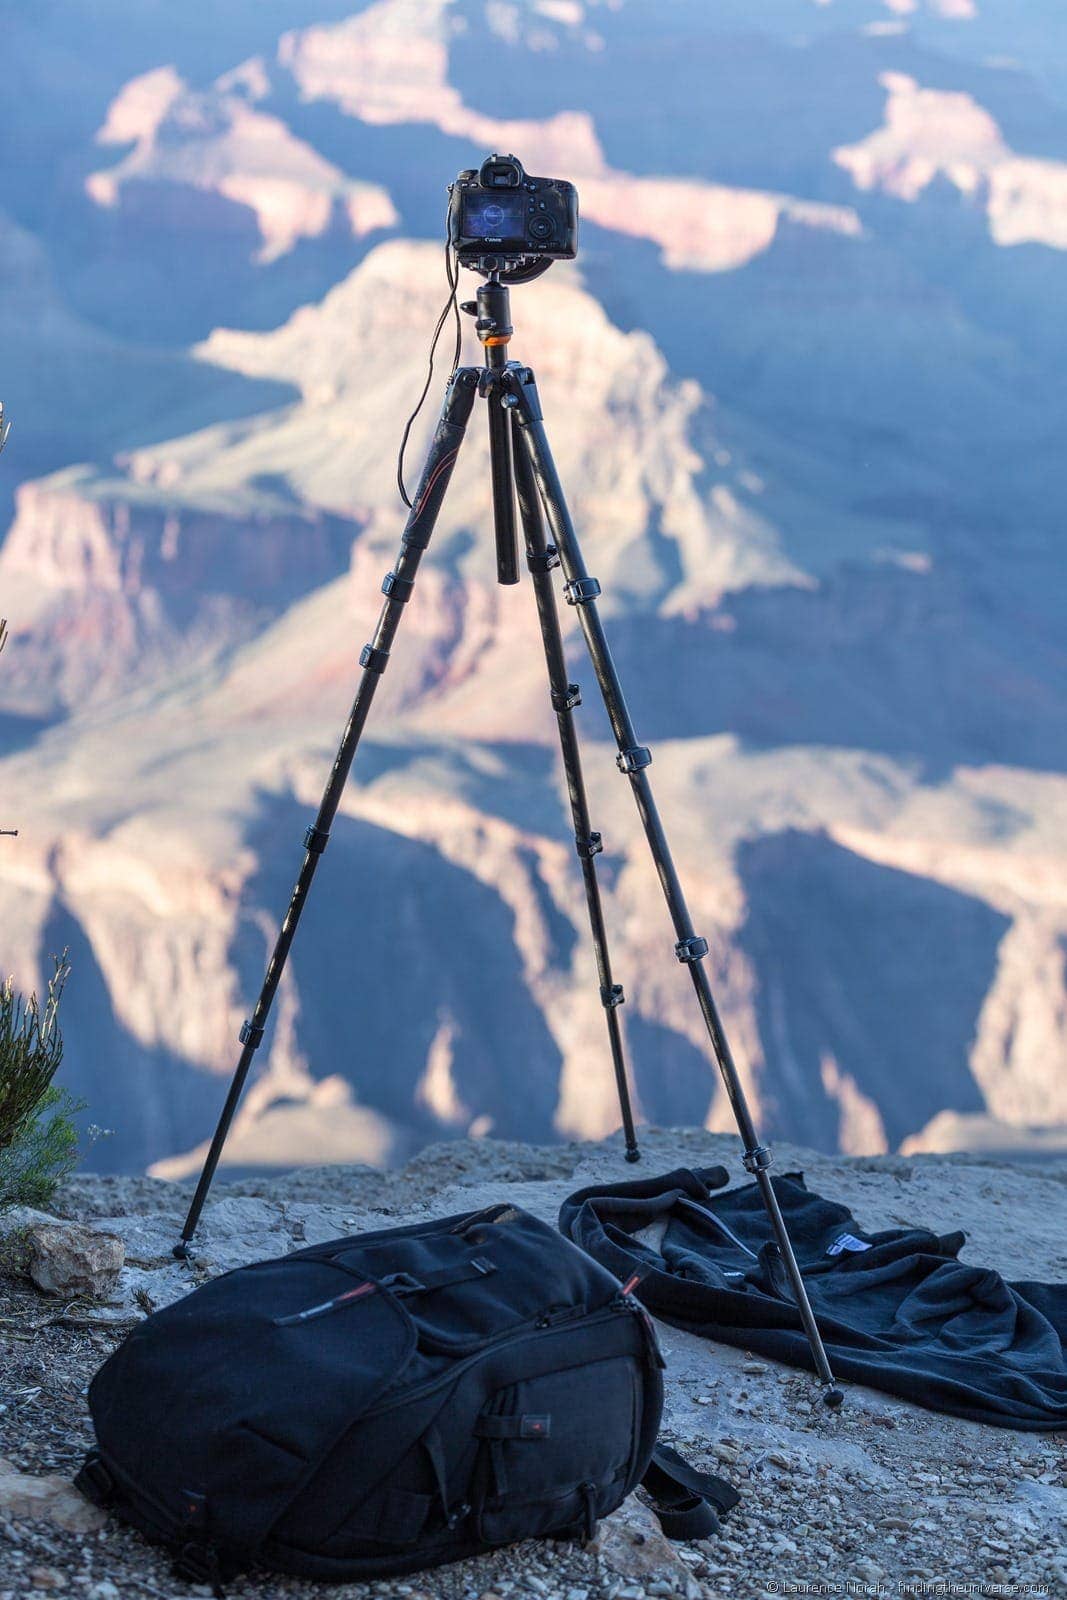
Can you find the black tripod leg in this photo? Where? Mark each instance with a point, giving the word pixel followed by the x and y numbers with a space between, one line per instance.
pixel 633 759
pixel 397 587
pixel 565 696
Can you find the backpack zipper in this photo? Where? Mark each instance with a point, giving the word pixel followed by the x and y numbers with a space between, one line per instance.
pixel 532 1331
pixel 625 1299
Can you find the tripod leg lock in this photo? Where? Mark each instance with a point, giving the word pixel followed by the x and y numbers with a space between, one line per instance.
pixel 398 588
pixel 612 995
pixel 581 590
pixel 568 701
pixel 588 847
pixel 316 839
pixel 757 1160
pixel 692 949
pixel 543 561
pixel 250 1034
pixel 373 659
pixel 633 760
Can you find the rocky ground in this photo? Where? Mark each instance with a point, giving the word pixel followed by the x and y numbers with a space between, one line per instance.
pixel 879 1497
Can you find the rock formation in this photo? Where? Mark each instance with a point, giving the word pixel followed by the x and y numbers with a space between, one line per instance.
pixel 802 385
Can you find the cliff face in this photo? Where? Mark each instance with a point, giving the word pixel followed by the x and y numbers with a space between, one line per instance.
pixel 219 144
pixel 802 387
pixel 116 582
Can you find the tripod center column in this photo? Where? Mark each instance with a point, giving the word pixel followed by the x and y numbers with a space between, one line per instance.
pixel 493 327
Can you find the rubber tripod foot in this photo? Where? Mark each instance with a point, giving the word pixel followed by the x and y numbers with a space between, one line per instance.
pixel 183 1250
pixel 633 1154
pixel 833 1397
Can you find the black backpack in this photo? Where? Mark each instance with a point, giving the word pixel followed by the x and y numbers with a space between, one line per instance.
pixel 388 1402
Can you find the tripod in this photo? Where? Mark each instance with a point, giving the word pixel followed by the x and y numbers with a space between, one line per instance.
pixel 522 467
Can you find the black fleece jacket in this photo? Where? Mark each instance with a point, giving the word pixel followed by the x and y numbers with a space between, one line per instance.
pixel 897 1310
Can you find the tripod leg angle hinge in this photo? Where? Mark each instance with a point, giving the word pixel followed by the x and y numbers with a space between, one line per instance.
pixel 519 380
pixel 589 846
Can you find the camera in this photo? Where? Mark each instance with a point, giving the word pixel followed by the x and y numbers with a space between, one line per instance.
pixel 499 216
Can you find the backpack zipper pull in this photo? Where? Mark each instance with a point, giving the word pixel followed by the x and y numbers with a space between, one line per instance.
pixel 326 1306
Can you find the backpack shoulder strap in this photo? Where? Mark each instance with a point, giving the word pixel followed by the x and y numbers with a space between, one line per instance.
pixel 685 1501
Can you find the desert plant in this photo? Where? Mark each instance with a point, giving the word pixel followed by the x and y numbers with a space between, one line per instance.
pixel 38 1144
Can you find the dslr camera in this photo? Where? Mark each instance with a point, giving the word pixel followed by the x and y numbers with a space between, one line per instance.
pixel 499 217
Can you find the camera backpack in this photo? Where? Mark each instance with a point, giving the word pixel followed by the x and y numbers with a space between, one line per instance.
pixel 388 1402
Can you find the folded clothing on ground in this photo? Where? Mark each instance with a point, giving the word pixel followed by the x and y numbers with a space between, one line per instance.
pixel 897 1309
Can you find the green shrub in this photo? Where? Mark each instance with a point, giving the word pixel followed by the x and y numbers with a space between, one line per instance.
pixel 38 1144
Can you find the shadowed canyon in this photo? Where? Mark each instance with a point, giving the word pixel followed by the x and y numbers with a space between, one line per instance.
pixel 805 384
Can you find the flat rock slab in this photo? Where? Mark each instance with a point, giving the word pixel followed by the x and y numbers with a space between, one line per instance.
pixel 47 1499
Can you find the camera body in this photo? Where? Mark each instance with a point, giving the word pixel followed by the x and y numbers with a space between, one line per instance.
pixel 499 216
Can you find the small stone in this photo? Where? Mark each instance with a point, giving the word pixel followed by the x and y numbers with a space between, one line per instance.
pixel 47 1578
pixel 50 1499
pixel 632 1544
pixel 73 1262
pixel 104 1590
pixel 753 1366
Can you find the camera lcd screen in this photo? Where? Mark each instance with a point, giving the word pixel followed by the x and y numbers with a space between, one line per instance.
pixel 494 216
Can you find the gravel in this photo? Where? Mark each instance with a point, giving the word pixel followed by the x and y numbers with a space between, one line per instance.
pixel 878 1494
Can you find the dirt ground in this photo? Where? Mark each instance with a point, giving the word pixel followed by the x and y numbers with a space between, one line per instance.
pixel 879 1498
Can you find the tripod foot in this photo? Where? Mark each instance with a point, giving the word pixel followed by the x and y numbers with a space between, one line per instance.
pixel 184 1250
pixel 832 1396
pixel 632 1153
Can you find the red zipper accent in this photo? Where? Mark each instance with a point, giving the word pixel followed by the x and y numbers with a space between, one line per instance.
pixel 326 1306
pixel 631 1283
pixel 353 1294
